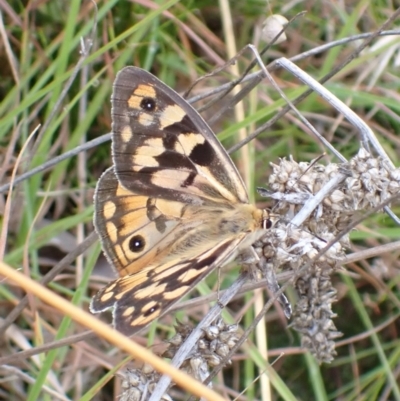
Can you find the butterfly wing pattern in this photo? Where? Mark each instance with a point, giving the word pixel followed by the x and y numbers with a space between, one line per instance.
pixel 173 206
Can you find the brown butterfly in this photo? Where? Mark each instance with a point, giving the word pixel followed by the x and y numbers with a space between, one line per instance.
pixel 171 209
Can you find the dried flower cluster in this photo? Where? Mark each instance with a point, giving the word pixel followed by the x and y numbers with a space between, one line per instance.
pixel 370 181
pixel 214 345
pixel 367 182
pixel 313 314
pixel 138 384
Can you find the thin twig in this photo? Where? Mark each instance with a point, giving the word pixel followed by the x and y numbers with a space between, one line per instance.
pixel 58 159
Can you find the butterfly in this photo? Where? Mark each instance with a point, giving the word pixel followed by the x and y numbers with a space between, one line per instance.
pixel 171 208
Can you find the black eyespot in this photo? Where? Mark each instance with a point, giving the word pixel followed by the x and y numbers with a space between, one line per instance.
pixel 137 243
pixel 148 104
pixel 151 311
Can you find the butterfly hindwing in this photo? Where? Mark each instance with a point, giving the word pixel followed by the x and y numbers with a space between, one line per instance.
pixel 142 297
pixel 131 228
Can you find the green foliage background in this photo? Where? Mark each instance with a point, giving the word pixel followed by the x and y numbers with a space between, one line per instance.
pixel 40 53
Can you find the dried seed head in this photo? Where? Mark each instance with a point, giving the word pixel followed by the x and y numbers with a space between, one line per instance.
pixel 139 383
pixel 199 368
pixel 211 332
pixel 213 360
pixel 210 350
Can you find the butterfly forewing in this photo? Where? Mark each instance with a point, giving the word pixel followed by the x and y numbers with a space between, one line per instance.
pixel 161 145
